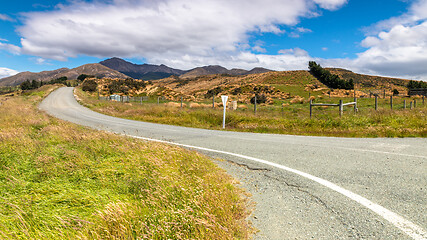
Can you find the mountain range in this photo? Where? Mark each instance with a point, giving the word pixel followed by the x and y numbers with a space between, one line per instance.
pixel 94 69
pixel 119 68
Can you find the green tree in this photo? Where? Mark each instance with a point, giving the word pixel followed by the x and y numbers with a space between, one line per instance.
pixel 89 85
pixel 330 80
pixel 25 85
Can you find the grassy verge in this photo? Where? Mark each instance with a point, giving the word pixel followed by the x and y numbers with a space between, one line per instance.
pixel 62 181
pixel 291 119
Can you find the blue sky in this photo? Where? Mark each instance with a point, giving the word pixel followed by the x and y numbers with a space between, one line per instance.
pixel 383 37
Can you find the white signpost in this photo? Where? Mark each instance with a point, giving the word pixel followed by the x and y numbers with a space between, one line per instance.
pixel 224 103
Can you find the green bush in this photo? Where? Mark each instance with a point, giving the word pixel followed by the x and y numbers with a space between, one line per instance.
pixel 89 85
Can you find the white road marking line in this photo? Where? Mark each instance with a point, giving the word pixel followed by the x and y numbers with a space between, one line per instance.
pixel 382 152
pixel 411 229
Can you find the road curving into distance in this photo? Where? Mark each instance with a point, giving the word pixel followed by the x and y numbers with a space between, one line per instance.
pixel 304 187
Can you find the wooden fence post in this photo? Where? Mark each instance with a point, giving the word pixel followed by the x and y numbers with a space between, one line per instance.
pixel 391 102
pixel 376 102
pixel 158 100
pixel 415 103
pixel 384 93
pixel 255 104
pixel 311 107
pixel 341 108
pixel 410 105
pixel 213 101
pixel 181 101
pixel 355 104
pixel 404 104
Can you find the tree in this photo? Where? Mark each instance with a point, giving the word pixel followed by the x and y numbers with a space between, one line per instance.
pixel 330 80
pixel 82 77
pixel 25 85
pixel 416 84
pixel 89 85
pixel 35 84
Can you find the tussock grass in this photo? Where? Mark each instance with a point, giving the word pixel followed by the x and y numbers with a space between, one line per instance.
pixel 62 181
pixel 285 117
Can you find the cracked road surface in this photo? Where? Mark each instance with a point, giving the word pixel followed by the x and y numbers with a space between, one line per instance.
pixel 389 172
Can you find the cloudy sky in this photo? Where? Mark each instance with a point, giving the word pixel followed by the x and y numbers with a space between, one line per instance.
pixel 382 37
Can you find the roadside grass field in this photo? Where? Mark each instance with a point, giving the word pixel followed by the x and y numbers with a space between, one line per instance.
pixel 282 117
pixel 62 181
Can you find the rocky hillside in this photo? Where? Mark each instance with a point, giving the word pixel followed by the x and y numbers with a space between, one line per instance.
pixel 95 69
pixel 143 71
pixel 154 72
pixel 207 70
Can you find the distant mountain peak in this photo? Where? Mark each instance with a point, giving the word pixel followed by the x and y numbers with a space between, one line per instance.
pixel 143 71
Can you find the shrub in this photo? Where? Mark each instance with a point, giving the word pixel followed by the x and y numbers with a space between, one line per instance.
pixel 89 85
pixel 259 99
pixel 395 92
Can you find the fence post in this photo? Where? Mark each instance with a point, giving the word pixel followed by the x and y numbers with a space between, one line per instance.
pixel 141 100
pixel 376 102
pixel 181 101
pixel 341 108
pixel 391 102
pixel 158 100
pixel 384 93
pixel 355 104
pixel 255 104
pixel 423 99
pixel 213 101
pixel 311 107
pixel 415 103
pixel 410 105
pixel 404 104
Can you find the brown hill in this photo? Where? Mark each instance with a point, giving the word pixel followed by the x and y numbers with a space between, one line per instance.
pixel 215 69
pixel 368 81
pixel 143 71
pixel 95 69
pixel 274 85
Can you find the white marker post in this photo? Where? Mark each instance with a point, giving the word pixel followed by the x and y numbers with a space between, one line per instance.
pixel 224 103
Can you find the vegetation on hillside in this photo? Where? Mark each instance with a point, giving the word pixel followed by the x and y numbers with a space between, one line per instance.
pixel 62 181
pixel 34 84
pixel 416 84
pixel 289 116
pixel 330 80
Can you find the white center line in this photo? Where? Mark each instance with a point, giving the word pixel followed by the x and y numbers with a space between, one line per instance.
pixel 411 229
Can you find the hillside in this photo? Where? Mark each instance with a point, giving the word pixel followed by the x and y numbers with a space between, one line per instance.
pixel 144 71
pixel 154 72
pixel 23 76
pixel 95 69
pixel 370 82
pixel 274 85
pixel 215 69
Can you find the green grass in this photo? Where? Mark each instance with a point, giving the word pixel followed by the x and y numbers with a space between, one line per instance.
pixel 62 181
pixel 290 119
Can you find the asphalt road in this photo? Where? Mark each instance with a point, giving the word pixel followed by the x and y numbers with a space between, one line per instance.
pixel 347 188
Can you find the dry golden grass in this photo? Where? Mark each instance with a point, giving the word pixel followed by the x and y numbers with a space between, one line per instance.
pixel 62 181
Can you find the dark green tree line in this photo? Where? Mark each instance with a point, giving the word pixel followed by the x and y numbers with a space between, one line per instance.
pixel 329 79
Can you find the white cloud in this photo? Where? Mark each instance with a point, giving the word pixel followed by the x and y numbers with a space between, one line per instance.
pixel 330 4
pixel 152 29
pixel 6 72
pixel 400 48
pixel 10 48
pixel 5 17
